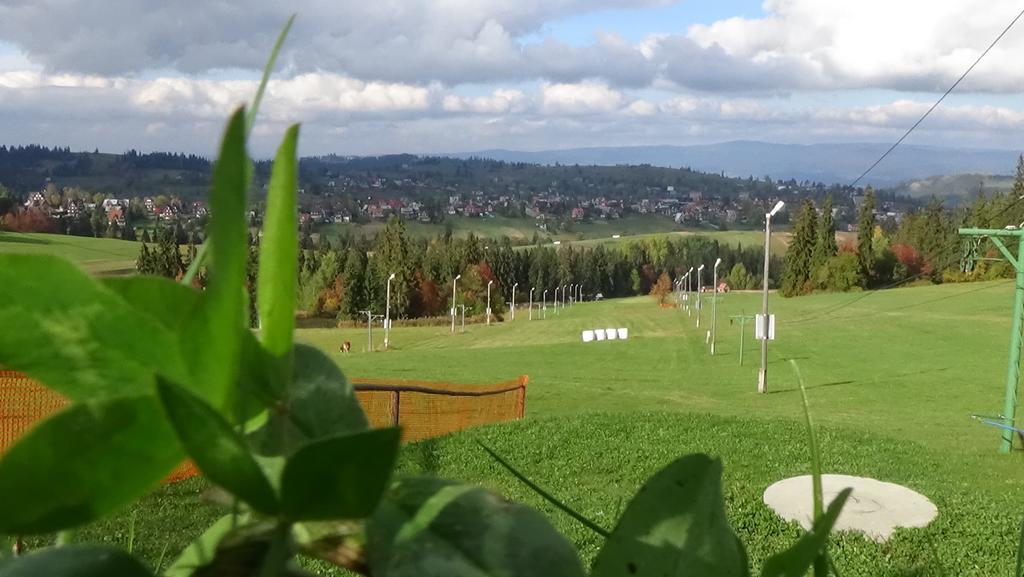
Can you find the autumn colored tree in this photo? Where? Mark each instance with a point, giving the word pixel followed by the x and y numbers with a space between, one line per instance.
pixel 662 288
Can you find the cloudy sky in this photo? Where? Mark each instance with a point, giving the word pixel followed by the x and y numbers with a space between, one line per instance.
pixel 369 77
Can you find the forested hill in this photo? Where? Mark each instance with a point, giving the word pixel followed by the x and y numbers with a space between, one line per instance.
pixel 30 168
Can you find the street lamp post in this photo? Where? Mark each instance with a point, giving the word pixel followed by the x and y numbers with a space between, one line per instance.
pixel 689 295
pixel 513 308
pixel 387 314
pixel 762 376
pixel 530 318
pixel 489 283
pixel 544 307
pixel 699 269
pixel 556 300
pixel 454 281
pixel 579 287
pixel 714 305
pixel 565 286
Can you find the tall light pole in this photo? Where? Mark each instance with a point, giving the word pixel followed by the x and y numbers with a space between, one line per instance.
pixel 699 269
pixel 556 301
pixel 714 304
pixel 489 283
pixel 544 308
pixel 387 314
pixel 533 288
pixel 762 376
pixel 454 281
pixel 689 285
pixel 579 287
pixel 565 286
pixel 514 285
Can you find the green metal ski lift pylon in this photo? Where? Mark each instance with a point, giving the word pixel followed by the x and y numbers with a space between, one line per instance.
pixel 1013 366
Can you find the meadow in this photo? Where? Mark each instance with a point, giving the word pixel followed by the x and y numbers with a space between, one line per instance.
pixel 892 378
pixel 98 256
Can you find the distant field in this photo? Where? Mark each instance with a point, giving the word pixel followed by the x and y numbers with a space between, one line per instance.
pixel 582 234
pixel 101 256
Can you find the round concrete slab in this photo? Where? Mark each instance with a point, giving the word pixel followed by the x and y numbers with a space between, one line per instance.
pixel 875 508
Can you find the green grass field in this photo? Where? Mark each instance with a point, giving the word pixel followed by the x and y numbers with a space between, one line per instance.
pixel 100 256
pixel 892 379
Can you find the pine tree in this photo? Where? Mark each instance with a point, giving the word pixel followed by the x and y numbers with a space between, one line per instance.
pixel 865 234
pixel 798 272
pixel 825 246
pixel 355 279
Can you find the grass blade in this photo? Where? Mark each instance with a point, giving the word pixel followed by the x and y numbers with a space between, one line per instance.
pixel 1019 572
pixel 250 119
pixel 545 495
pixel 821 562
pixel 278 268
pixel 194 266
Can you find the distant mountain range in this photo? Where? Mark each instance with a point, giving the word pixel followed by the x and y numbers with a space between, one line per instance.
pixel 828 163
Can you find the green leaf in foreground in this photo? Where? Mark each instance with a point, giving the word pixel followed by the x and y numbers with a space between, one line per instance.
pixel 211 338
pixel 319 403
pixel 83 463
pixel 675 526
pixel 339 477
pixel 76 561
pixel 278 271
pixel 795 561
pixel 220 451
pixel 165 300
pixel 433 528
pixel 250 549
pixel 78 337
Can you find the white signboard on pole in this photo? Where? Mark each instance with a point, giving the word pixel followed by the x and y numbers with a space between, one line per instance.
pixel 759 327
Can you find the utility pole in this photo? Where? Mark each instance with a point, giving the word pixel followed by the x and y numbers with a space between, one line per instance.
pixel 1013 365
pixel 463 317
pixel 743 323
pixel 489 283
pixel 714 305
pixel 369 328
pixel 387 314
pixel 513 307
pixel 454 281
pixel 699 269
pixel 762 376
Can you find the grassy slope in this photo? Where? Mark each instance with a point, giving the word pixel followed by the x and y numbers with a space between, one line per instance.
pixel 101 256
pixel 893 377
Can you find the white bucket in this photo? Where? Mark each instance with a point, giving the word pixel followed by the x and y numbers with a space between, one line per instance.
pixel 623 333
pixel 610 334
pixel 599 333
pixel 588 336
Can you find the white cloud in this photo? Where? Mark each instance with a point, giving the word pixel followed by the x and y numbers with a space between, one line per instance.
pixel 502 101
pixel 579 98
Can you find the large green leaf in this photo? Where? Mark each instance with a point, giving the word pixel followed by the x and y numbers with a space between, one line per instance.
pixel 170 303
pixel 76 561
pixel 795 561
pixel 675 526
pixel 220 451
pixel 319 403
pixel 211 339
pixel 433 528
pixel 278 272
pixel 236 547
pixel 339 477
pixel 78 337
pixel 85 462
pixel 162 298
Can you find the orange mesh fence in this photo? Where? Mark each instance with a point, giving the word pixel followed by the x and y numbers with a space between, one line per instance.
pixel 423 409
pixel 427 409
pixel 23 402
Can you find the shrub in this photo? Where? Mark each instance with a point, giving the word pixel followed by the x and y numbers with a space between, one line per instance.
pixel 842 273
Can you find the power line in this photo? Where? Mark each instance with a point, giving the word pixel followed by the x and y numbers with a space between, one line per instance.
pixel 941 98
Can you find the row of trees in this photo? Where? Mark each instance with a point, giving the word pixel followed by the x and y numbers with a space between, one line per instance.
pixel 351 277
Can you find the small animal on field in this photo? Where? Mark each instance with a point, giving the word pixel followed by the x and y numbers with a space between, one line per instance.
pixel 346 347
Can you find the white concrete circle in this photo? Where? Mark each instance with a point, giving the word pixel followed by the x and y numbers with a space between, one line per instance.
pixel 875 508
